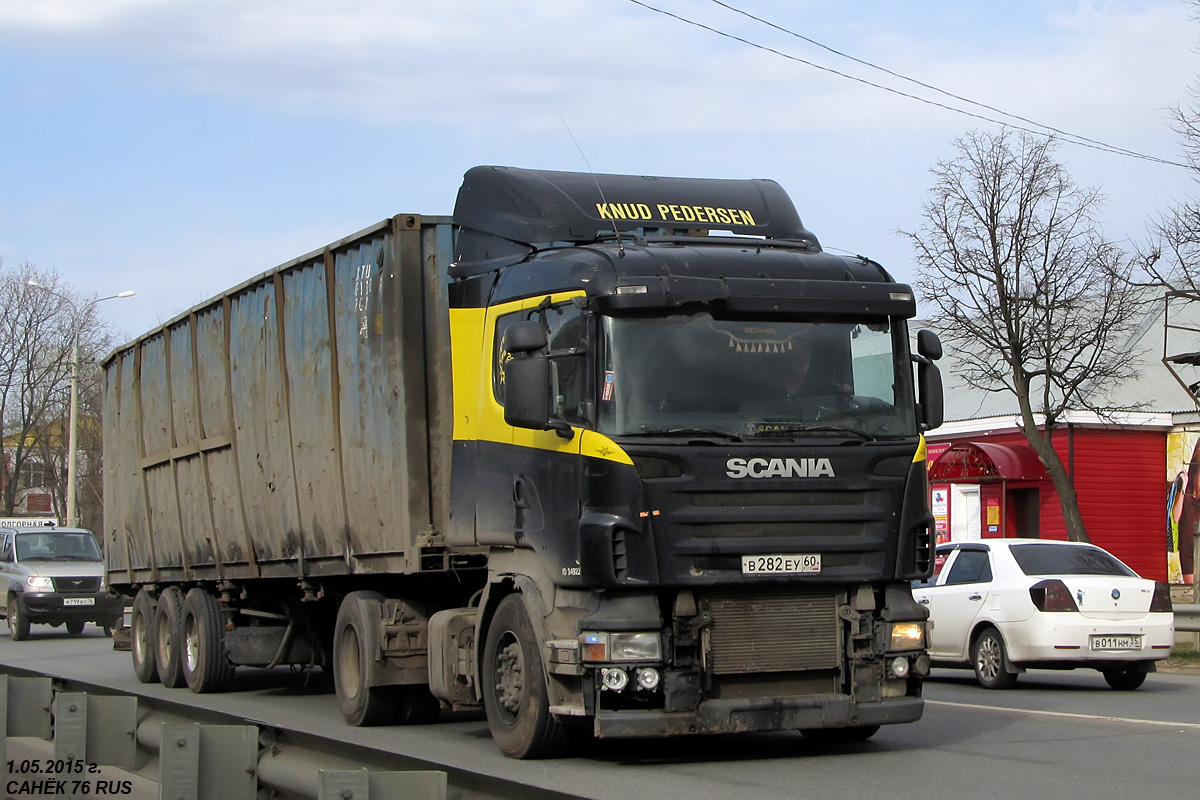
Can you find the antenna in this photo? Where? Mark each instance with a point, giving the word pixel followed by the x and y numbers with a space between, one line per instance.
pixel 603 199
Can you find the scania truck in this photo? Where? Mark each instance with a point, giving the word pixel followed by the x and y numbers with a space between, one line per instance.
pixel 548 457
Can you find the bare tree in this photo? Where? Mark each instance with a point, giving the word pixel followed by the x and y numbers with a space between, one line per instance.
pixel 1027 293
pixel 37 330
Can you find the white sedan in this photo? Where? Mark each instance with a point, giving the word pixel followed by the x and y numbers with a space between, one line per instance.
pixel 1004 605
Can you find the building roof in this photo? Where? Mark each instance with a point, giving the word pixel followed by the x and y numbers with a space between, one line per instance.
pixel 1156 389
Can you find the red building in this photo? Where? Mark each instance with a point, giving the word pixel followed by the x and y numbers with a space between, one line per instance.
pixel 986 481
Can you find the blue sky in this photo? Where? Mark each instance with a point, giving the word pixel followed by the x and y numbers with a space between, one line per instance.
pixel 178 147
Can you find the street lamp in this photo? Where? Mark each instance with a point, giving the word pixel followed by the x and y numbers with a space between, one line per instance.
pixel 72 516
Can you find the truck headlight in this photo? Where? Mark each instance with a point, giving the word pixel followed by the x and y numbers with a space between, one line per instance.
pixel 641 646
pixel 40 582
pixel 908 636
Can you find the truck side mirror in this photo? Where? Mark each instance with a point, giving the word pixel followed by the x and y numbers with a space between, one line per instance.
pixel 929 379
pixel 929 385
pixel 524 337
pixel 929 345
pixel 527 391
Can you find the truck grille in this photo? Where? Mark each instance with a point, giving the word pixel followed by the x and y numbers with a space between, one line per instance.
pixel 76 585
pixel 773 631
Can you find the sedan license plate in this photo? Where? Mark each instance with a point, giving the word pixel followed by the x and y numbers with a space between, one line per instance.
pixel 79 601
pixel 1116 642
pixel 781 564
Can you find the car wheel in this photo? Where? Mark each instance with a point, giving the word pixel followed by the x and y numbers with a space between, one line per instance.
pixel 1125 678
pixel 141 637
pixel 168 637
pixel 206 666
pixel 990 661
pixel 18 623
pixel 859 733
pixel 75 628
pixel 514 687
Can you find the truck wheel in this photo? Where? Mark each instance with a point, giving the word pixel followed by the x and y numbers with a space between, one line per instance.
pixel 141 637
pixel 18 623
pixel 514 687
pixel 206 666
pixel 75 628
pixel 168 637
pixel 355 640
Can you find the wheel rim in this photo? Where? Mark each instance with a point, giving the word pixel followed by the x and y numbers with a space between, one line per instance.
pixel 13 622
pixel 510 673
pixel 191 645
pixel 164 644
pixel 348 663
pixel 141 641
pixel 989 661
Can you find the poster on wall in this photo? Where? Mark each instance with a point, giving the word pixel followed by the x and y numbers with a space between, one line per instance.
pixel 1183 504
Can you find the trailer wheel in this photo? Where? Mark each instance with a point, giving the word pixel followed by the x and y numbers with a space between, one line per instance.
pixel 206 666
pixel 514 687
pixel 354 644
pixel 168 637
pixel 142 639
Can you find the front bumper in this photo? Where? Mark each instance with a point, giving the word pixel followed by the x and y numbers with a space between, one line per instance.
pixel 771 714
pixel 48 608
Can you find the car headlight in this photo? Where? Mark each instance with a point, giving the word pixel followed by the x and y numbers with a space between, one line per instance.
pixel 908 636
pixel 641 646
pixel 40 582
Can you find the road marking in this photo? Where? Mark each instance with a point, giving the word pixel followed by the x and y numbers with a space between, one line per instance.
pixel 977 707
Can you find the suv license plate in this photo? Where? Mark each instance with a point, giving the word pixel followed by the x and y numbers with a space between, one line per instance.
pixel 79 601
pixel 781 564
pixel 1116 642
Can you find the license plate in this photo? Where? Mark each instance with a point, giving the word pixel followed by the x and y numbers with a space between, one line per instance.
pixel 781 564
pixel 79 601
pixel 1116 642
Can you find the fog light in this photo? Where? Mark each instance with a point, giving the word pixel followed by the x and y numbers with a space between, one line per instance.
pixel 900 667
pixel 921 665
pixel 647 679
pixel 615 679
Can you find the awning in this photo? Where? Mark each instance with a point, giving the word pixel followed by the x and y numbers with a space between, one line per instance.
pixel 982 461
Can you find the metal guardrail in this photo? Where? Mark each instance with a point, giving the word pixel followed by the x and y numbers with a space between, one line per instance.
pixel 67 745
pixel 1187 618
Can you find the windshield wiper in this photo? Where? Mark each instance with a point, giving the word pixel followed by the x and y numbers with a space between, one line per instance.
pixel 795 429
pixel 687 432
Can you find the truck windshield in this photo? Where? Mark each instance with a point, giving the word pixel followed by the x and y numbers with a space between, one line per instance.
pixel 57 546
pixel 694 375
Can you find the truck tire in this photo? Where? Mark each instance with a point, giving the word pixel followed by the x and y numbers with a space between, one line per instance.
pixel 514 687
pixel 206 666
pixel 141 637
pixel 355 641
pixel 18 623
pixel 168 637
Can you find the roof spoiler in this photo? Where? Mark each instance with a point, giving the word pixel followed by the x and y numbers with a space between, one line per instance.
pixel 505 213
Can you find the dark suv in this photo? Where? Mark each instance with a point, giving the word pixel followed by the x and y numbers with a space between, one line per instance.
pixel 54 576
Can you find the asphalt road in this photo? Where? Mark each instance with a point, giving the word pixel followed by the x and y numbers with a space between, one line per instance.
pixel 1060 735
